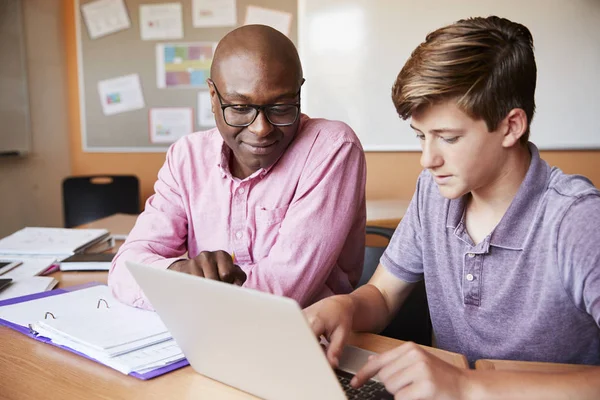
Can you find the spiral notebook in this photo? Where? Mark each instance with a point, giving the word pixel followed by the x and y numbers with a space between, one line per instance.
pixel 88 321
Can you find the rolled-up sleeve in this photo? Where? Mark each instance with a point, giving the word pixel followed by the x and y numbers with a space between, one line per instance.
pixel 158 238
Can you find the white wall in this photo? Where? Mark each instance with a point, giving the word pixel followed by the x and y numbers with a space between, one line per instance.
pixel 30 186
pixel 352 51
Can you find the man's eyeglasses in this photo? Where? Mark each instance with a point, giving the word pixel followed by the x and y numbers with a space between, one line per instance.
pixel 242 115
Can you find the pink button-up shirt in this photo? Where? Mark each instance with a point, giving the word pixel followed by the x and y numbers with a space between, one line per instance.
pixel 297 228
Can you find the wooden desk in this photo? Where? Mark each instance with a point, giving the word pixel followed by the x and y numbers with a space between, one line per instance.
pixel 386 213
pixel 119 225
pixel 33 370
pixel 527 366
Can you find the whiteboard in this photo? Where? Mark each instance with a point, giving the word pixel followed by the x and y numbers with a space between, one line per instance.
pixel 352 51
pixel 15 127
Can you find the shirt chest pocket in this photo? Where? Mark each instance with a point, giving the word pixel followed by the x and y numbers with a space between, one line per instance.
pixel 266 218
pixel 268 223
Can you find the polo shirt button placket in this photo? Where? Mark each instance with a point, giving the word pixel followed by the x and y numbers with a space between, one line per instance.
pixel 471 291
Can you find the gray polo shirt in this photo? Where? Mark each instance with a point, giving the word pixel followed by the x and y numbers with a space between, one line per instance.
pixel 530 290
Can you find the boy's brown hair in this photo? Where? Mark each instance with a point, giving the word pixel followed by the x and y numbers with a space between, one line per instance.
pixel 486 64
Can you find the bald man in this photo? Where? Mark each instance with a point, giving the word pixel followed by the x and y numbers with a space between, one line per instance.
pixel 270 199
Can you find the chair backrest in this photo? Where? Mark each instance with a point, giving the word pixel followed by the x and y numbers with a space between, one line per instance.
pixel 88 198
pixel 412 322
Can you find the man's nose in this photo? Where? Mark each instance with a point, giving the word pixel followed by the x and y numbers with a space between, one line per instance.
pixel 261 126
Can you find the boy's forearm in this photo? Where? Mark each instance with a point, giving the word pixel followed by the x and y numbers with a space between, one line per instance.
pixel 371 313
pixel 505 385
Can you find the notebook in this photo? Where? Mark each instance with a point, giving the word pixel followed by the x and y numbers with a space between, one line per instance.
pixel 51 241
pixel 30 266
pixel 87 262
pixel 89 321
pixel 25 286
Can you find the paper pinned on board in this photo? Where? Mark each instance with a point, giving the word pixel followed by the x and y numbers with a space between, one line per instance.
pixel 212 13
pixel 103 17
pixel 161 21
pixel 167 124
pixel 279 20
pixel 206 117
pixel 121 94
pixel 183 65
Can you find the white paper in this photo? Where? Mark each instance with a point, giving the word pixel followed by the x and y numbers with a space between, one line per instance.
pixel 31 285
pixel 169 124
pixel 121 94
pixel 49 241
pixel 30 266
pixel 183 65
pixel 103 17
pixel 110 330
pixel 206 117
pixel 79 309
pixel 161 21
pixel 210 13
pixel 79 302
pixel 279 20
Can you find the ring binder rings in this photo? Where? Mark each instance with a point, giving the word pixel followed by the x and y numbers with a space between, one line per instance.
pixel 100 301
pixel 29 329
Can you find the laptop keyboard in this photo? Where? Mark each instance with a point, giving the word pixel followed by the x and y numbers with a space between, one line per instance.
pixel 371 390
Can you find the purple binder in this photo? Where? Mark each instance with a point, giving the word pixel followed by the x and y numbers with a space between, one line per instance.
pixel 25 330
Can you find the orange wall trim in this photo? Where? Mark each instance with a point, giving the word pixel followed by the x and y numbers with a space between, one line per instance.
pixel 389 175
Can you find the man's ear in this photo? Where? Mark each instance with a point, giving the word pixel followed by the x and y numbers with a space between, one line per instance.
pixel 212 93
pixel 514 126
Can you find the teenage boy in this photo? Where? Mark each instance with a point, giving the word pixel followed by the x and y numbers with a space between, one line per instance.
pixel 507 245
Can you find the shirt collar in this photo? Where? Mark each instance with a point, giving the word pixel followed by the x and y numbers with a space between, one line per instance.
pixel 514 226
pixel 223 165
pixel 226 154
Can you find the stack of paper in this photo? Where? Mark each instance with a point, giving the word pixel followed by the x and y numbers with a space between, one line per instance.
pixel 92 322
pixel 38 251
pixel 87 262
pixel 25 286
pixel 51 241
pixel 25 276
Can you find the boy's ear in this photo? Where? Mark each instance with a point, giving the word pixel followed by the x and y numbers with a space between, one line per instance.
pixel 514 126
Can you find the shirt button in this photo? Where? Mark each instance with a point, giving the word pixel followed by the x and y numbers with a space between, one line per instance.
pixel 239 234
pixel 471 255
pixel 470 277
pixel 241 191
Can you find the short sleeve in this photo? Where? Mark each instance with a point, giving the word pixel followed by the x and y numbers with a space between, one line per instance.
pixel 579 254
pixel 404 254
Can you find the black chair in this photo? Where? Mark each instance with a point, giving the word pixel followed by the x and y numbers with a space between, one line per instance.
pixel 412 322
pixel 88 198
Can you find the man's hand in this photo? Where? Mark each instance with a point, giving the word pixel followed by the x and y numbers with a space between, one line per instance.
pixel 332 317
pixel 409 372
pixel 216 265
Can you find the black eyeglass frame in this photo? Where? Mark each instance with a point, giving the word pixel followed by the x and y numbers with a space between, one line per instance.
pixel 258 108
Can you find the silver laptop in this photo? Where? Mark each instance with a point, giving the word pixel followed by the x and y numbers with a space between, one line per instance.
pixel 254 341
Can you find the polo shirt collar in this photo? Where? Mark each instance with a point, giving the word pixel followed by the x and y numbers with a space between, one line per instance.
pixel 512 230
